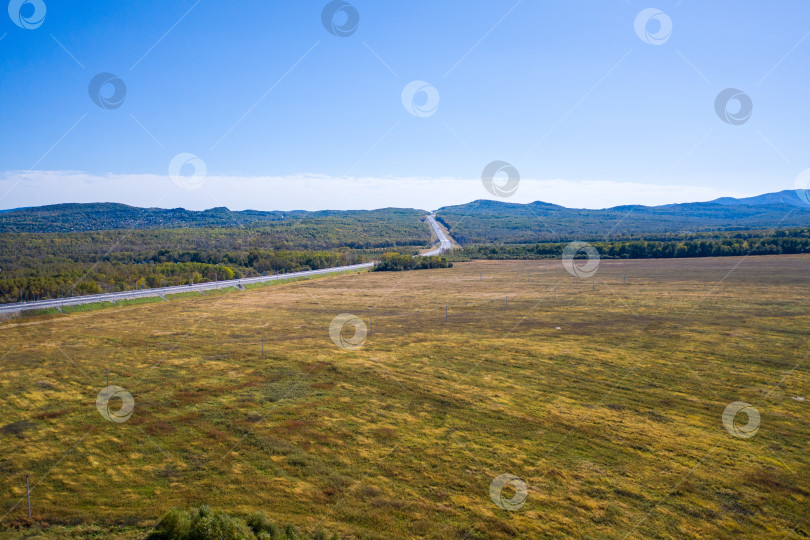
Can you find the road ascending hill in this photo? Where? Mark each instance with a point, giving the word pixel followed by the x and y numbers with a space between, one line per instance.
pixel 444 242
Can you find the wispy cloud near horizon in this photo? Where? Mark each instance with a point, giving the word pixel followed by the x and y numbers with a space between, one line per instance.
pixel 320 192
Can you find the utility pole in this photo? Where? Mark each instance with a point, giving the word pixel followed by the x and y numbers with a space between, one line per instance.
pixel 624 279
pixel 507 302
pixel 28 494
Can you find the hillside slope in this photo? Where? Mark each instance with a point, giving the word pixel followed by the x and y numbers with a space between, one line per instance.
pixel 75 217
pixel 481 221
pixel 485 221
pixel 792 197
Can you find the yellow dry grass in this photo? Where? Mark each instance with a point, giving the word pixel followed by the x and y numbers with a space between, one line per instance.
pixel 606 400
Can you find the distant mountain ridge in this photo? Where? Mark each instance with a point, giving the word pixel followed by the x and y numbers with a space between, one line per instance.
pixel 479 221
pixel 487 221
pixel 79 217
pixel 792 197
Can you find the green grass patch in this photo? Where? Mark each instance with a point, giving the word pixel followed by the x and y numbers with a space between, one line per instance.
pixel 258 285
pixel 82 308
pixel 139 301
pixel 224 290
pixel 39 312
pixel 189 294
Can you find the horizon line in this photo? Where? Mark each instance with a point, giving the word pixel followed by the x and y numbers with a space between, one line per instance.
pixel 428 211
pixel 318 192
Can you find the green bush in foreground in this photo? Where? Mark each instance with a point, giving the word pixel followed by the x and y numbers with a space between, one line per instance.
pixel 205 524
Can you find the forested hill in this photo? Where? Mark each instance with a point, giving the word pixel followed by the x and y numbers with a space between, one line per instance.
pixel 478 222
pixel 111 216
pixel 71 249
pixel 484 221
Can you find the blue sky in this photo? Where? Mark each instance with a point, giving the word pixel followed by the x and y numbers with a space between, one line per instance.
pixel 284 114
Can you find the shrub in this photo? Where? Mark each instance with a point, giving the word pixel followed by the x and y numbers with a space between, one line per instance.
pixel 203 523
pixel 176 524
pixel 262 527
pixel 395 262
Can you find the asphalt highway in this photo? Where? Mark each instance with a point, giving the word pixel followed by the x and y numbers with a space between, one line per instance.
pixel 162 291
pixel 444 242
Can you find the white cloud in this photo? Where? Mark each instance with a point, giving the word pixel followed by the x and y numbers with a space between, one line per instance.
pixel 318 192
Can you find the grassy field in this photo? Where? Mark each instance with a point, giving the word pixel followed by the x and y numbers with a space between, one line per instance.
pixel 604 398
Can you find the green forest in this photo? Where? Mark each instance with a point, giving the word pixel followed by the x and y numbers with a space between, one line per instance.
pixel 487 222
pixel 715 244
pixel 39 265
pixel 397 262
pixel 76 217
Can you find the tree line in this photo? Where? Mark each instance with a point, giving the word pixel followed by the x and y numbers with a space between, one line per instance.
pixel 396 262
pixel 39 265
pixel 717 244
pixel 65 278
